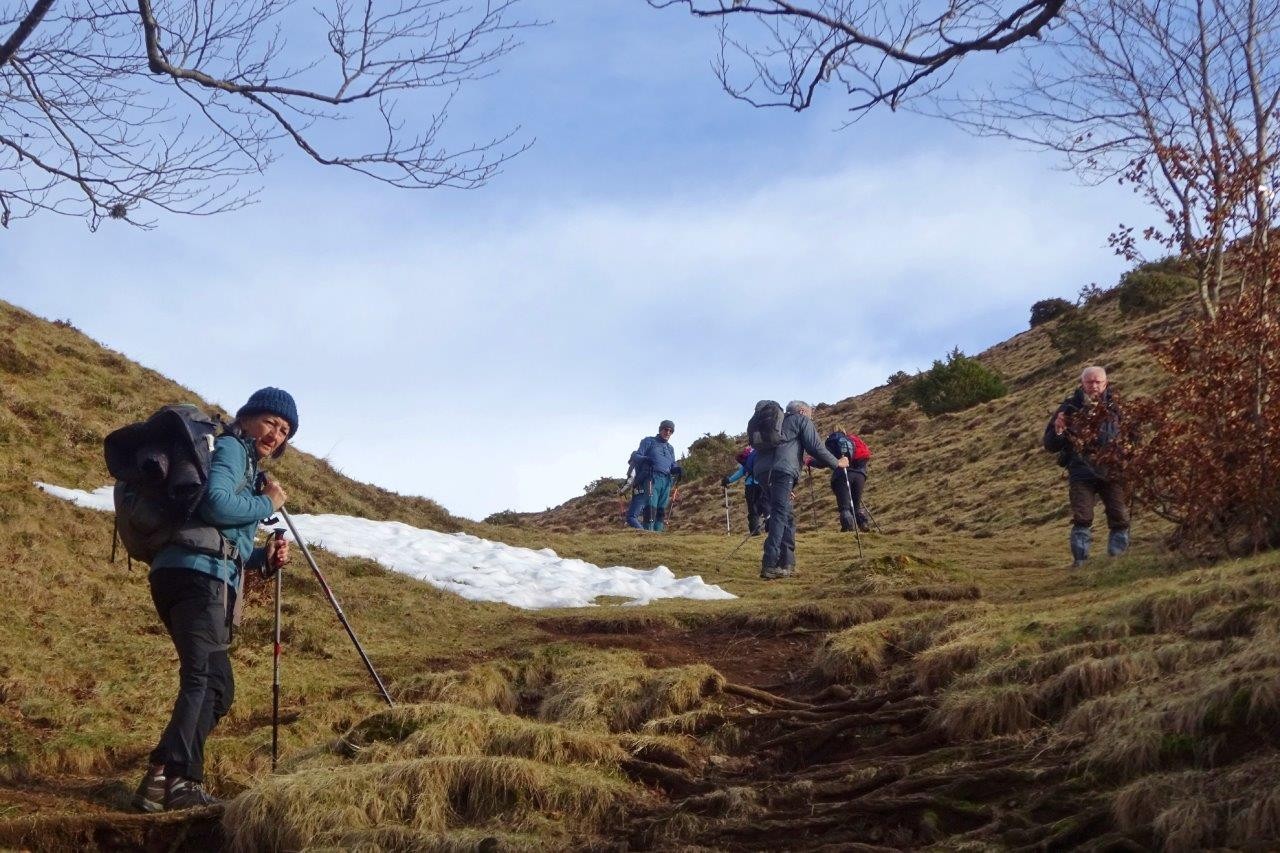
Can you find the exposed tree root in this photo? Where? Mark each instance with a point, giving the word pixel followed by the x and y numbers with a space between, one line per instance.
pixel 764 697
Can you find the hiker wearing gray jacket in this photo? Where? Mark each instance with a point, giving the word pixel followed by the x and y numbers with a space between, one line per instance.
pixel 778 470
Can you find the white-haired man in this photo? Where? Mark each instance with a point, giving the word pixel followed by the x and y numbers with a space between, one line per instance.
pixel 778 470
pixel 1088 479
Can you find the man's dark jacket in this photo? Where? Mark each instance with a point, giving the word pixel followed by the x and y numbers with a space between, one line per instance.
pixel 1080 464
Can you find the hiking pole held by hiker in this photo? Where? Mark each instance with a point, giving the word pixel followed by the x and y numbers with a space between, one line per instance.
pixel 337 608
pixel 866 509
pixel 813 501
pixel 278 534
pixel 727 528
pixel 853 508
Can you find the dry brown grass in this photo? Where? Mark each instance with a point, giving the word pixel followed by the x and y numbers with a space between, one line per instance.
pixel 424 796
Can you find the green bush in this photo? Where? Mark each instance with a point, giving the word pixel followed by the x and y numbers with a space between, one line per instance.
pixel 1143 291
pixel 957 383
pixel 1076 335
pixel 710 455
pixel 1046 309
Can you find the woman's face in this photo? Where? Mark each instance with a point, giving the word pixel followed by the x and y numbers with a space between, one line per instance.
pixel 269 432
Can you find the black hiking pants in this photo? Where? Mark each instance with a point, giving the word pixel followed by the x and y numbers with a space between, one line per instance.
pixel 849 497
pixel 196 611
pixel 780 543
pixel 757 507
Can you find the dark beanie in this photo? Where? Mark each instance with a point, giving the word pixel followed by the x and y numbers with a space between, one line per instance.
pixel 272 401
pixel 667 425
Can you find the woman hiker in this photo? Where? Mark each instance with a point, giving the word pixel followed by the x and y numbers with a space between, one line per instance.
pixel 197 594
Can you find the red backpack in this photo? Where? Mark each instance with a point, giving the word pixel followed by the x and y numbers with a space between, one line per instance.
pixel 861 453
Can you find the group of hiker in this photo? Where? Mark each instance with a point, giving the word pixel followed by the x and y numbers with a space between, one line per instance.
pixel 783 443
pixel 197 572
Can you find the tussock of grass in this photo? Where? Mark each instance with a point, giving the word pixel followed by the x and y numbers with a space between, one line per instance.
pixel 692 723
pixel 425 796
pixel 403 840
pixel 621 698
pixel 861 653
pixel 488 685
pixel 978 714
pixel 822 615
pixel 420 731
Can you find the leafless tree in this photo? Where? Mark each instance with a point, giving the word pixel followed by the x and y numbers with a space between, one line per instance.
pixel 880 53
pixel 1176 97
pixel 126 108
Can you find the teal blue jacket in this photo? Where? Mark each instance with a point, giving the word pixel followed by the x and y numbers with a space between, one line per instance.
pixel 231 506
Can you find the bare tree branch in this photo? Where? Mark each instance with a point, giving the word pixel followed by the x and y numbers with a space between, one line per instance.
pixel 879 53
pixel 109 108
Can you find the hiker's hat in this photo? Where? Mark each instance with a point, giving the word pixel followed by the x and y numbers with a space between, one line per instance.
pixel 667 425
pixel 272 401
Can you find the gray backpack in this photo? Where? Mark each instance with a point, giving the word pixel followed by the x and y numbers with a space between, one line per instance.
pixel 161 466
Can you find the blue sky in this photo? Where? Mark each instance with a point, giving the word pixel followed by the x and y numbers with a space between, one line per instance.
pixel 661 251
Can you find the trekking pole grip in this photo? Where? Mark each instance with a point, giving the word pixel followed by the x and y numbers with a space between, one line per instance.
pixel 337 608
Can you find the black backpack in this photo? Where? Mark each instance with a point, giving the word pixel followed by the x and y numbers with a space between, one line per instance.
pixel 161 466
pixel 764 430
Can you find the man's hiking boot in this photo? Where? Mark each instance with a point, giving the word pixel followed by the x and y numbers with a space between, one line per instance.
pixel 771 574
pixel 150 794
pixel 1077 564
pixel 187 794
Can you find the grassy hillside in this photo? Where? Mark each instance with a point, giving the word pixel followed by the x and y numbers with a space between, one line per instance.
pixel 970 473
pixel 954 688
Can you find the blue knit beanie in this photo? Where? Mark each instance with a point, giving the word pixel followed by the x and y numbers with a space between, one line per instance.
pixel 272 401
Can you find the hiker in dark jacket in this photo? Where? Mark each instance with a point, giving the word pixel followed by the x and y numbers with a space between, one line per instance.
pixel 757 508
pixel 197 595
pixel 778 469
pixel 656 470
pixel 1088 478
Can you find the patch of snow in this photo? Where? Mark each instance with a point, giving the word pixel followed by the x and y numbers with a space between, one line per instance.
pixel 474 568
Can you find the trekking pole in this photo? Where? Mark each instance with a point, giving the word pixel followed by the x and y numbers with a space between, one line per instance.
pixel 727 528
pixel 337 608
pixel 871 517
pixel 857 534
pixel 278 533
pixel 740 544
pixel 813 501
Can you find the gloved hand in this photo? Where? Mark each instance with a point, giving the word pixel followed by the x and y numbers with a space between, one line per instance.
pixel 724 482
pixel 677 471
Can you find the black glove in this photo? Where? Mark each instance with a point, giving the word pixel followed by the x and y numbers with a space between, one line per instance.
pixel 724 482
pixel 677 471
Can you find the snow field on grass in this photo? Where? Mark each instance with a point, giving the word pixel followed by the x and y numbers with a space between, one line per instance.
pixel 474 568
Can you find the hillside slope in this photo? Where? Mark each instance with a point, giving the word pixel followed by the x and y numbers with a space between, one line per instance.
pixel 973 472
pixel 954 688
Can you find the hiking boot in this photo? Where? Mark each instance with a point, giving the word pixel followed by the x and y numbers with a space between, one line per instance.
pixel 771 574
pixel 1077 564
pixel 149 797
pixel 187 794
pixel 1117 543
pixel 864 527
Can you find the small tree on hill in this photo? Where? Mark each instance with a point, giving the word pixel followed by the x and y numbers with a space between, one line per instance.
pixel 1046 309
pixel 953 385
pixel 1199 453
pixel 1076 335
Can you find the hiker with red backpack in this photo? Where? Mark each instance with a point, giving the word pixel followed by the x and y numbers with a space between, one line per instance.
pixel 757 508
pixel 847 484
pixel 196 583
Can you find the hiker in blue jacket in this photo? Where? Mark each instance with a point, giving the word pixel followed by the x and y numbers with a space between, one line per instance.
pixel 656 470
pixel 756 506
pixel 778 469
pixel 197 594
pixel 1088 479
